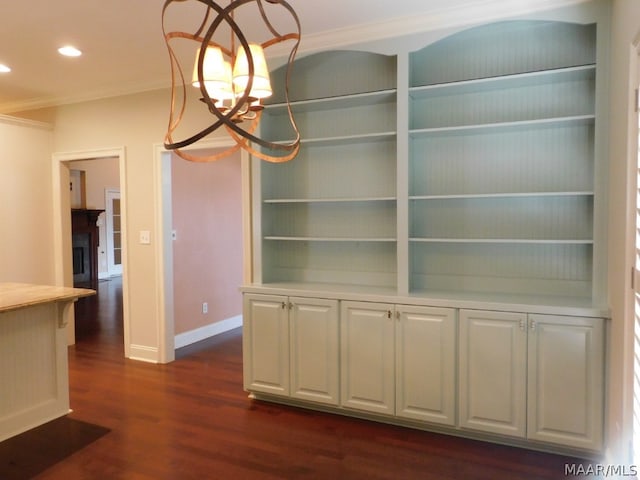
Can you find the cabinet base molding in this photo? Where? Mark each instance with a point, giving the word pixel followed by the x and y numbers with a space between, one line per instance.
pixel 431 428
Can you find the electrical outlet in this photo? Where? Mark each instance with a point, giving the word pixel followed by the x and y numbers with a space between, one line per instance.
pixel 205 307
pixel 145 237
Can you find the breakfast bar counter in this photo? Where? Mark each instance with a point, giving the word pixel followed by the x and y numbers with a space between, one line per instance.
pixel 34 377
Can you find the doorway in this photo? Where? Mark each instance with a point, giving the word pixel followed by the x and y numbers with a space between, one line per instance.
pixel 101 314
pixel 103 171
pixel 206 204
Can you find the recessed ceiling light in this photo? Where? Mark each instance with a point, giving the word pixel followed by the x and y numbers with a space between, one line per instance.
pixel 69 51
pixel 4 68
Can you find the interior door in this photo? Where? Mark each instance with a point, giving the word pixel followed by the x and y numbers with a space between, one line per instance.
pixel 114 232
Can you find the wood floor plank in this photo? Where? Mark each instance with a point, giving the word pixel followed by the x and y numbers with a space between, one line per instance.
pixel 192 420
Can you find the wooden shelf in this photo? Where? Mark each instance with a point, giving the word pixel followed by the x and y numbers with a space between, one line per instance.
pixel 343 139
pixel 504 240
pixel 501 195
pixel 329 200
pixel 330 239
pixel 504 126
pixel 582 72
pixel 337 102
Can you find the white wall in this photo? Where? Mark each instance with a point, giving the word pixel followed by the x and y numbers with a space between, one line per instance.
pixel 623 152
pixel 26 238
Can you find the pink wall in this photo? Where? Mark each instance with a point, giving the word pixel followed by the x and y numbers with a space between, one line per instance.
pixel 207 254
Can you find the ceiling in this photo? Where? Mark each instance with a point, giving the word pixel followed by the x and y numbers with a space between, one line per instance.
pixel 124 50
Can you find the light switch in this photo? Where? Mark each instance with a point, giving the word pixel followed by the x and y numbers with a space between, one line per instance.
pixel 145 237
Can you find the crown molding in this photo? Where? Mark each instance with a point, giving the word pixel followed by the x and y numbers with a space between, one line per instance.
pixel 23 122
pixel 98 94
pixel 371 35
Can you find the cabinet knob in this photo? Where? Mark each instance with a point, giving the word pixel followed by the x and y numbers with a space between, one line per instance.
pixel 284 305
pixel 532 325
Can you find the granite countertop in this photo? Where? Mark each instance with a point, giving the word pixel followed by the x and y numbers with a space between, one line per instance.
pixel 14 296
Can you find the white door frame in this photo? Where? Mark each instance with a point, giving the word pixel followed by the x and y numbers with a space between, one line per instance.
pixel 623 348
pixel 62 225
pixel 164 227
pixel 633 330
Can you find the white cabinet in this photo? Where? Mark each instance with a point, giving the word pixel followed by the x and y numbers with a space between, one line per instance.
pixel 367 356
pixel 493 372
pixel 426 364
pixel 565 401
pixel 399 360
pixel 536 376
pixel 265 338
pixel 527 376
pixel 291 347
pixel 313 331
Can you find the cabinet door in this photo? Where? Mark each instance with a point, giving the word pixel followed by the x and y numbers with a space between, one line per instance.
pixel 266 344
pixel 493 369
pixel 566 372
pixel 426 364
pixel 367 356
pixel 314 349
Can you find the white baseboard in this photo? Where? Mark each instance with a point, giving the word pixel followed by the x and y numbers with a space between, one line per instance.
pixel 143 353
pixel 211 330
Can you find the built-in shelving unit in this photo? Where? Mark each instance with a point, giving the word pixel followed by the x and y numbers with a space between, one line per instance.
pixel 488 187
pixel 501 193
pixel 320 224
pixel 437 251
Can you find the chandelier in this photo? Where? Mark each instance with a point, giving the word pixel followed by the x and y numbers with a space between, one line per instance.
pixel 232 78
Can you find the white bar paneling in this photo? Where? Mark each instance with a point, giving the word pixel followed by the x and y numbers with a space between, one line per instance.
pixel 327 172
pixel 33 368
pixel 353 263
pixel 503 49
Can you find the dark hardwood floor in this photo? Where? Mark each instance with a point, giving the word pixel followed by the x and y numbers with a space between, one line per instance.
pixel 192 420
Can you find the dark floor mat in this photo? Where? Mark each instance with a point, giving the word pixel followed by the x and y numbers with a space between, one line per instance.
pixel 26 455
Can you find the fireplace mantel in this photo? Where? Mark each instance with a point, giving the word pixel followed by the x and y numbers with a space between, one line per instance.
pixel 85 240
